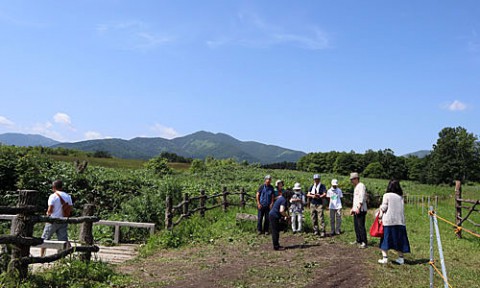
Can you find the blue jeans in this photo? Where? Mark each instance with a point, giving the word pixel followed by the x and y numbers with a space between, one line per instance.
pixel 263 219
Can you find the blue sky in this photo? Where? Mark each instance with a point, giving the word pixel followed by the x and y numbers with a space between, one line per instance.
pixel 306 75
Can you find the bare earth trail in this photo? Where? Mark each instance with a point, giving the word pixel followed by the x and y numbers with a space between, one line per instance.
pixel 307 262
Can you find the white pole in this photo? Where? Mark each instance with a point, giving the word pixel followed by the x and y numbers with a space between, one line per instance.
pixel 440 251
pixel 431 246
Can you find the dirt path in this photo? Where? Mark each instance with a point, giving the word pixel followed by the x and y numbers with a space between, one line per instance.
pixel 307 262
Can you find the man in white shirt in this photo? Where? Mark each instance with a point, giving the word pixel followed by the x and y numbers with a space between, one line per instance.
pixel 55 210
pixel 359 210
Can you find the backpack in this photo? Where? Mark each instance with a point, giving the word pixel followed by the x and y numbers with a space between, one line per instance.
pixel 66 208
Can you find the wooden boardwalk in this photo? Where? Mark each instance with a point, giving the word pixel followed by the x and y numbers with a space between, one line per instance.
pixel 110 254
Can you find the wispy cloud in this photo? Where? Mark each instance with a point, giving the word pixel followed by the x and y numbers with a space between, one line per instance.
pixel 455 106
pixel 473 42
pixel 164 131
pixel 4 121
pixel 62 118
pixel 253 31
pixel 132 35
pixel 45 129
pixel 91 135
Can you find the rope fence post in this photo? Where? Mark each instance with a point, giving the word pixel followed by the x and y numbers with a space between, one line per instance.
pixel 431 243
pixel 458 206
pixel 440 251
pixel 242 198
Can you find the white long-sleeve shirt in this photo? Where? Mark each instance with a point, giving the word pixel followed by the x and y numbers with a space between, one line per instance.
pixel 392 209
pixel 360 197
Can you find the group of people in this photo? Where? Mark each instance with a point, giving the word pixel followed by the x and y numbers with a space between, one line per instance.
pixel 275 204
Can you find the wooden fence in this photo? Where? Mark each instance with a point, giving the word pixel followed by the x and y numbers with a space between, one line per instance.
pixel 460 204
pixel 184 208
pixel 22 239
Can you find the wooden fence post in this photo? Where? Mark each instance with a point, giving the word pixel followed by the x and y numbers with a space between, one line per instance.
pixel 86 231
pixel 185 204
pixel 22 227
pixel 225 202
pixel 458 205
pixel 242 198
pixel 168 213
pixel 203 200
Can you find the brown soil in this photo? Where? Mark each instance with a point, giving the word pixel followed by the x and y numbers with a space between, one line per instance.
pixel 307 262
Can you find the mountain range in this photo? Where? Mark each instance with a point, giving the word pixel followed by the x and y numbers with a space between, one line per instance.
pixel 197 145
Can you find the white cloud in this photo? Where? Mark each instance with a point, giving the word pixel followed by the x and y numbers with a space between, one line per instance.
pixel 4 121
pixel 132 35
pixel 253 31
pixel 62 118
pixel 90 135
pixel 45 129
pixel 165 132
pixel 456 106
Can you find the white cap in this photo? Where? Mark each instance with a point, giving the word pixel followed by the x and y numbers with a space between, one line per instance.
pixel 297 186
pixel 278 181
pixel 334 182
pixel 316 176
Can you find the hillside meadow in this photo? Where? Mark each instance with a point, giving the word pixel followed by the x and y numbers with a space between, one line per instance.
pixel 134 193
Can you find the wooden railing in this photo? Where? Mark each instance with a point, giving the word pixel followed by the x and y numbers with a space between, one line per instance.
pixel 22 233
pixel 184 208
pixel 460 204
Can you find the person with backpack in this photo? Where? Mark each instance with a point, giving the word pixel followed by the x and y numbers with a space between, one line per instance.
pixel 59 205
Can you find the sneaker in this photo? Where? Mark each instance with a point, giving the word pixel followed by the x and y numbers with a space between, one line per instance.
pixel 383 261
pixel 259 232
pixel 363 245
pixel 279 248
pixel 353 243
pixel 400 261
pixel 322 234
pixel 315 233
pixel 267 233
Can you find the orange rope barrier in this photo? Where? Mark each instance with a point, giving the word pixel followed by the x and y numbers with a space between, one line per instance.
pixel 439 273
pixel 457 228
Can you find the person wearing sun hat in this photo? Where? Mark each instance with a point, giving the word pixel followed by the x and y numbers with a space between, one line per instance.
pixel 317 194
pixel 335 194
pixel 279 185
pixel 359 210
pixel 297 202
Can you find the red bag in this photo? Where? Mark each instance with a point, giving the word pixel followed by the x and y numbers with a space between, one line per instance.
pixel 66 208
pixel 377 228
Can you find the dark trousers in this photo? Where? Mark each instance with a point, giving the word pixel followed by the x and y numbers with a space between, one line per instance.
pixel 359 224
pixel 263 217
pixel 275 231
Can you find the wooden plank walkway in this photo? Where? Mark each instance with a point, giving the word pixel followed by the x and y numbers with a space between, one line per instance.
pixel 110 254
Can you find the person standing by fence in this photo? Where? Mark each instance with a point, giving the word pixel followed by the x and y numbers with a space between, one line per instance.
pixel 359 210
pixel 317 194
pixel 335 195
pixel 264 204
pixel 56 202
pixel 392 214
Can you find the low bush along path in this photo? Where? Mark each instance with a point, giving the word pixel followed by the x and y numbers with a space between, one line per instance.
pixel 308 261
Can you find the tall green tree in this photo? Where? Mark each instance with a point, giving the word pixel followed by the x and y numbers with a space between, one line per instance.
pixel 455 156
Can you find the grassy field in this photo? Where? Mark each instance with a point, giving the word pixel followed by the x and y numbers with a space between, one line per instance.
pixel 461 255
pixel 115 162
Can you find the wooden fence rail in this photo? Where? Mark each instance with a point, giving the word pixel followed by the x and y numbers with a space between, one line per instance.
pixel 22 239
pixel 185 208
pixel 459 206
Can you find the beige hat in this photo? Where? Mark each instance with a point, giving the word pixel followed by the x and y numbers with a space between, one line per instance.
pixel 297 186
pixel 354 175
pixel 278 181
pixel 334 182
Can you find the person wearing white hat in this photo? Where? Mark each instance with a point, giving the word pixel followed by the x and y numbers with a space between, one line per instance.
pixel 335 194
pixel 279 191
pixel 297 202
pixel 317 194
